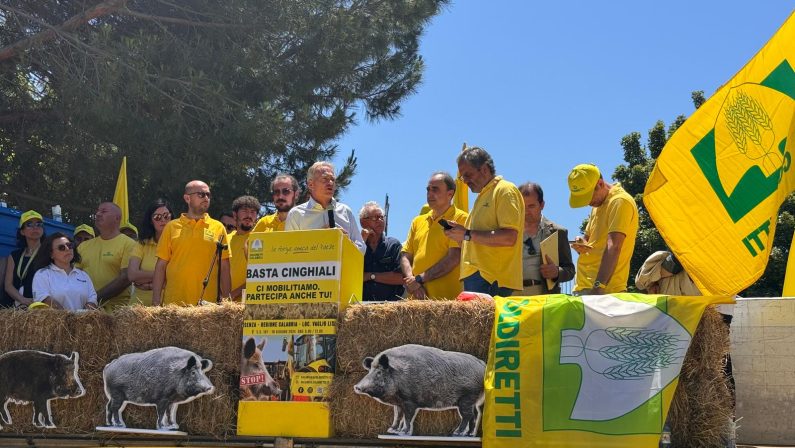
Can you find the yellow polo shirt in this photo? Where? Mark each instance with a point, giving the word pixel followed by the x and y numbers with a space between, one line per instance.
pixel 147 253
pixel 239 260
pixel 618 213
pixel 188 245
pixel 427 244
pixel 103 260
pixel 499 206
pixel 269 223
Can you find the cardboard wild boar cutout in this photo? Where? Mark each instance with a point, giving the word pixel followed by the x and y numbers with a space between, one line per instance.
pixel 30 376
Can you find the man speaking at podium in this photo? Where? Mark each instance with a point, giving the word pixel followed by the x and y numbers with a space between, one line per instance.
pixel 186 250
pixel 322 211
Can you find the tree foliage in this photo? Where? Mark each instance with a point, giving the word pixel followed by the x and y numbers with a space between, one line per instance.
pixel 229 92
pixel 633 175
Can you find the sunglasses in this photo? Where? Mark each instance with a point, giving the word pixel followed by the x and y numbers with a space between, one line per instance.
pixel 230 227
pixel 376 218
pixel 283 191
pixel 161 216
pixel 64 247
pixel 531 250
pixel 37 224
pixel 202 194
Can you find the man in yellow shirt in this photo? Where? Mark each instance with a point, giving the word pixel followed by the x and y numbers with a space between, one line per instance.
pixel 186 251
pixel 491 254
pixel 606 248
pixel 245 210
pixel 285 191
pixel 105 258
pixel 430 259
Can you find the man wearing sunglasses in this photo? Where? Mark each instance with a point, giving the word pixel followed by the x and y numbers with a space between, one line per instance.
pixel 285 192
pixel 187 249
pixel 535 270
pixel 106 257
pixel 245 210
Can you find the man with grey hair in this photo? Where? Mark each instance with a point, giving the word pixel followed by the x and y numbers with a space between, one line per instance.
pixel 322 211
pixel 383 277
pixel 284 191
pixel 491 253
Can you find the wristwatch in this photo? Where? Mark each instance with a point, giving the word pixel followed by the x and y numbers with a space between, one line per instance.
pixel 598 284
pixel 467 235
pixel 419 279
pixel 372 276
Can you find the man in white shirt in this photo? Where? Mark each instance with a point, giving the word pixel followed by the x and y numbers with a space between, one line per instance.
pixel 321 208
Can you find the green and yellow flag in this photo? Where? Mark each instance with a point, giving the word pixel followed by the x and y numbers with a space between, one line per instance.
pixel 120 196
pixel 461 197
pixel 591 371
pixel 715 191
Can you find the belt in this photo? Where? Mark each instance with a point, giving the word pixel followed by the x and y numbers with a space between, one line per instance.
pixel 531 282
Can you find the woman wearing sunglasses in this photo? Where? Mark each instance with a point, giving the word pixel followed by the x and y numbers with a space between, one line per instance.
pixel 143 258
pixel 19 275
pixel 59 284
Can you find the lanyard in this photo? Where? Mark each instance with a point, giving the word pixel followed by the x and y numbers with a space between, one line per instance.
pixel 22 273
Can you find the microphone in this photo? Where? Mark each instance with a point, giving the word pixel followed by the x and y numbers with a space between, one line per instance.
pixel 331 223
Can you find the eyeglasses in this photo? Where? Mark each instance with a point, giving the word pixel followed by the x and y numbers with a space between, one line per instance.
pixel 201 194
pixel 531 250
pixel 230 227
pixel 161 216
pixel 36 224
pixel 64 247
pixel 376 218
pixel 283 191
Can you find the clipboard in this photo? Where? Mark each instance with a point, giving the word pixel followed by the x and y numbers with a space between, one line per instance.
pixel 549 247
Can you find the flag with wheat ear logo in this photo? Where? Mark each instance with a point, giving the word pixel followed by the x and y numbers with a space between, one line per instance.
pixel 717 186
pixel 586 371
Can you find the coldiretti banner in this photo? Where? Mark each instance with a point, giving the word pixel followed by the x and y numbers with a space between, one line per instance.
pixel 302 267
pixel 586 371
pixel 717 186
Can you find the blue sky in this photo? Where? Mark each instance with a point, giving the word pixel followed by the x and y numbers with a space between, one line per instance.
pixel 545 86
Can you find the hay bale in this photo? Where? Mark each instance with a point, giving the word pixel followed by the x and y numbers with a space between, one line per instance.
pixel 701 407
pixel 361 417
pixel 366 330
pixel 291 311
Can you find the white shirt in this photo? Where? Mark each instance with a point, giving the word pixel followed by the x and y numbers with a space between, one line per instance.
pixel 72 290
pixel 311 215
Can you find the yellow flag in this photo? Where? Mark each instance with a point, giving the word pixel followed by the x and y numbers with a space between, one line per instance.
pixel 591 371
pixel 120 197
pixel 461 197
pixel 789 278
pixel 715 191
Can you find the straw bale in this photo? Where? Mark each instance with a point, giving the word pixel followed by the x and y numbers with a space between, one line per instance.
pixel 291 311
pixel 367 329
pixel 701 409
pixel 361 417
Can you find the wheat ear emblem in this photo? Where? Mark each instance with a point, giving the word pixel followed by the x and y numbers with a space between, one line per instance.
pixel 752 129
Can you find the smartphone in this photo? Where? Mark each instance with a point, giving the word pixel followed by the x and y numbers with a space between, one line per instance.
pixel 443 222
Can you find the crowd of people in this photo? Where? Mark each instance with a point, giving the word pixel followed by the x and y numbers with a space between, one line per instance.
pixel 499 247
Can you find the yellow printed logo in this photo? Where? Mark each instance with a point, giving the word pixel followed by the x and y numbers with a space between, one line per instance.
pixel 209 235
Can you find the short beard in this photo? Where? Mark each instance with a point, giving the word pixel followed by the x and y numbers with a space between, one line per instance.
pixel 245 228
pixel 284 208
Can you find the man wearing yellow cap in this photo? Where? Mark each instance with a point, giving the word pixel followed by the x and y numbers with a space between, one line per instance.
pixel 83 232
pixel 129 230
pixel 606 248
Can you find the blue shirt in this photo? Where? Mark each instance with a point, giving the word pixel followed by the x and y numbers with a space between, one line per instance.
pixel 385 258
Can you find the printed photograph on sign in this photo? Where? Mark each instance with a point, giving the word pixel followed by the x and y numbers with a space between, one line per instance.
pixel 287 367
pixel 37 378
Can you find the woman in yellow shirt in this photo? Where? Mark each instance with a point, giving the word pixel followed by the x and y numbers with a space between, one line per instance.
pixel 141 269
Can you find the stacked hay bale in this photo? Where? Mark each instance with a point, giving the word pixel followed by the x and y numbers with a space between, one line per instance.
pixel 699 412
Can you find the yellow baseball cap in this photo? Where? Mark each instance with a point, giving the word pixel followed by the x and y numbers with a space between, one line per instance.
pixel 582 182
pixel 35 305
pixel 28 215
pixel 85 228
pixel 127 225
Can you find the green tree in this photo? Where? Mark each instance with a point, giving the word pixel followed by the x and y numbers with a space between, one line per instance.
pixel 633 175
pixel 230 92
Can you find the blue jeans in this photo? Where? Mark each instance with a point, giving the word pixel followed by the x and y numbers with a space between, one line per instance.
pixel 476 283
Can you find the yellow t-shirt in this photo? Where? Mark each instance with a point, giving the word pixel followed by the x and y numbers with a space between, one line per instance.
pixel 103 260
pixel 499 206
pixel 188 245
pixel 269 223
pixel 427 244
pixel 618 213
pixel 147 253
pixel 237 247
